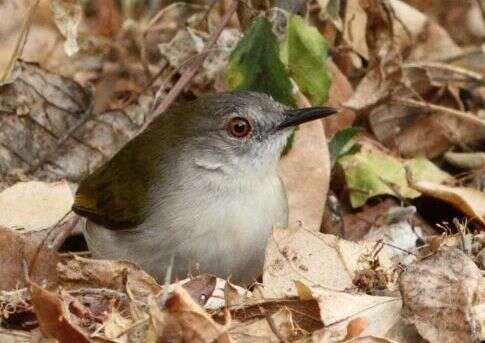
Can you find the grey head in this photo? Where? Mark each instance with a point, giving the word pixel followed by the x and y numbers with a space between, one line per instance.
pixel 236 134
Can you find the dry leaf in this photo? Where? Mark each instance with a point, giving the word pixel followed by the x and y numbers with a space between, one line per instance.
pixel 264 320
pixel 50 132
pixel 468 200
pixel 313 258
pixel 115 326
pixel 55 319
pixel 201 287
pixel 355 327
pixel 305 171
pixel 68 15
pixel 15 249
pixel 466 160
pixel 348 315
pixel 14 336
pixel 80 272
pixel 340 91
pixel 260 329
pixel 443 297
pixel 33 206
pixel 219 295
pixel 183 319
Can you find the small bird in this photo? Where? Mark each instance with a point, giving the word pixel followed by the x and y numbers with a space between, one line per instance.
pixel 198 189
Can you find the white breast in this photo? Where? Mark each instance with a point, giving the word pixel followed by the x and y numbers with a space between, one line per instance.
pixel 223 235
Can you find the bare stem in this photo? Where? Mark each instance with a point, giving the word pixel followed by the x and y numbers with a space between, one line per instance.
pixel 192 70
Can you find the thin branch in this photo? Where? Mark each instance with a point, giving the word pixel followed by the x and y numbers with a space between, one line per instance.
pixel 64 232
pixel 432 107
pixel 22 38
pixel 272 324
pixel 192 70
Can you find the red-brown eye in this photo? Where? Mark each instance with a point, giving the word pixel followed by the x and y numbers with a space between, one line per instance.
pixel 239 127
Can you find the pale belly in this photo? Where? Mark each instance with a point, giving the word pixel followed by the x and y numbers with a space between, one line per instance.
pixel 225 236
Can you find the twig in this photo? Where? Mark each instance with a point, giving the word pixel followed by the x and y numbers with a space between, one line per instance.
pixel 432 107
pixel 22 38
pixel 65 231
pixel 465 52
pixel 190 71
pixel 272 324
pixel 132 326
pixel 476 77
pixel 166 285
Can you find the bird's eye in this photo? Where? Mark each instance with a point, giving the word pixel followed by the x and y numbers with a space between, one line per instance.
pixel 239 127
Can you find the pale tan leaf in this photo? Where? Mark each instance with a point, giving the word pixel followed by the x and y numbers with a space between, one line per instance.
pixel 468 200
pixel 349 315
pixel 34 205
pixel 313 258
pixel 305 172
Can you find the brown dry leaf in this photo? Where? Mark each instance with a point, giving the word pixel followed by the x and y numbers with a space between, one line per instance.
pixel 443 297
pixel 340 91
pixel 107 19
pixel 413 30
pixel 183 319
pixel 305 172
pixel 215 293
pixel 15 249
pixel 55 319
pixel 33 206
pixel 396 32
pixel 355 327
pixel 468 200
pixel 384 71
pixel 401 121
pixel 313 258
pixel 201 287
pixel 80 272
pixel 50 132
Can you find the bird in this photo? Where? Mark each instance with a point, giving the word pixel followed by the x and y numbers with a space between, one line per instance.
pixel 197 191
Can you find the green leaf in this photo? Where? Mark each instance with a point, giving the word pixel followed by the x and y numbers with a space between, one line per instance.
pixel 373 172
pixel 340 146
pixel 255 64
pixel 304 51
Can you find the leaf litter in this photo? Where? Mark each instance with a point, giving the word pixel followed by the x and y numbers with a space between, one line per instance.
pixel 384 269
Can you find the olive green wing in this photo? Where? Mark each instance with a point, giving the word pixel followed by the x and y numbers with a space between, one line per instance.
pixel 115 195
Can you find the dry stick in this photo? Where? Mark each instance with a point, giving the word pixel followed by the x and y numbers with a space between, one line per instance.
pixel 432 107
pixel 272 324
pixel 190 72
pixel 19 46
pixel 64 233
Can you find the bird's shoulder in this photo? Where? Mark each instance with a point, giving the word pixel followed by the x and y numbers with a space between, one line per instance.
pixel 116 194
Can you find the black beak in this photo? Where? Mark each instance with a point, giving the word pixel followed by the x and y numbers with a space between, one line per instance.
pixel 298 116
